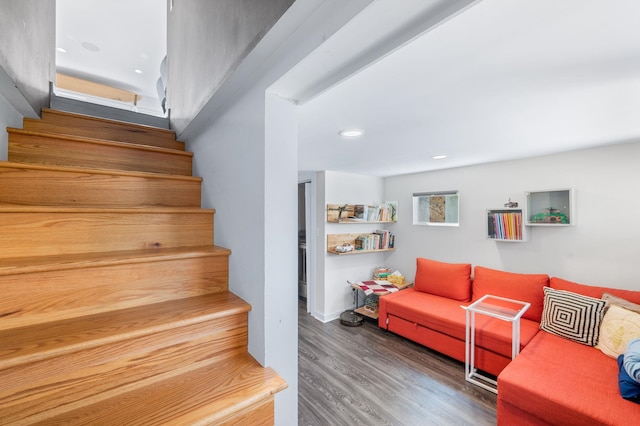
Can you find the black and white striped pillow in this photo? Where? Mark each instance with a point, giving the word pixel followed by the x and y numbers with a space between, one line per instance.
pixel 572 315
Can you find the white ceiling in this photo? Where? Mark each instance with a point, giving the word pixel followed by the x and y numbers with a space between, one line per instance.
pixel 477 80
pixel 130 35
pixel 500 80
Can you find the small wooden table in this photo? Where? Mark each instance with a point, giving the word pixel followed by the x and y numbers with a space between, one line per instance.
pixel 375 289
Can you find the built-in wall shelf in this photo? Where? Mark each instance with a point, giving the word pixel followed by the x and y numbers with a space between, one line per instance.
pixel 506 225
pixel 550 208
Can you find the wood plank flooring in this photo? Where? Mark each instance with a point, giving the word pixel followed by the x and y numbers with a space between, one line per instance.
pixel 367 376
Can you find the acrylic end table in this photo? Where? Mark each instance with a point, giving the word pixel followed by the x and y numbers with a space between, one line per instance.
pixel 497 307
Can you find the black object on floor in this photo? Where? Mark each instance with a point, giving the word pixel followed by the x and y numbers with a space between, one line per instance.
pixel 351 319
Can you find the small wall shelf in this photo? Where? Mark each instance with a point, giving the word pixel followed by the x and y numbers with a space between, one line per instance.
pixel 506 225
pixel 382 239
pixel 362 213
pixel 550 208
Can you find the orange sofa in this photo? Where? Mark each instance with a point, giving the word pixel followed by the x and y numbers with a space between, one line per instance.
pixel 557 381
pixel 554 380
pixel 430 312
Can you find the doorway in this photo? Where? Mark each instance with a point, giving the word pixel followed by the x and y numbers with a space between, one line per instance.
pixel 306 241
pixel 302 243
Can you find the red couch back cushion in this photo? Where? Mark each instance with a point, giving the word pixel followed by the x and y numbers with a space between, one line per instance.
pixel 452 280
pixel 523 287
pixel 592 291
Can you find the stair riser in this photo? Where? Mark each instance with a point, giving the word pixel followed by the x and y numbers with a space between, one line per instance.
pixel 32 187
pixel 55 122
pixel 34 149
pixel 57 233
pixel 259 414
pixel 76 379
pixel 41 297
pixel 106 134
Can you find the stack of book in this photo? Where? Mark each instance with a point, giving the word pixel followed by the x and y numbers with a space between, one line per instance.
pixel 378 240
pixel 381 273
pixel 505 225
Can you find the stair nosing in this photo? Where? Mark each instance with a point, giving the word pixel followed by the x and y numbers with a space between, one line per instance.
pixel 112 172
pixel 105 259
pixel 181 319
pixel 125 210
pixel 246 402
pixel 96 141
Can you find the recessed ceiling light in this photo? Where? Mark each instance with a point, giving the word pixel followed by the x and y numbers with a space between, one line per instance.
pixel 61 50
pixel 137 71
pixel 439 157
pixel 351 133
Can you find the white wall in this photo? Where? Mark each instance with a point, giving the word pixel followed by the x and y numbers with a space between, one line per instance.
pixel 602 249
pixel 333 294
pixel 281 248
pixel 245 148
pixel 243 167
pixel 9 117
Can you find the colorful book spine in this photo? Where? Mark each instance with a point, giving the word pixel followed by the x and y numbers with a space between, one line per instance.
pixel 505 225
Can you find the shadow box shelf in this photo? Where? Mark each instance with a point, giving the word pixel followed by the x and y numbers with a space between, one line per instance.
pixel 506 225
pixel 550 208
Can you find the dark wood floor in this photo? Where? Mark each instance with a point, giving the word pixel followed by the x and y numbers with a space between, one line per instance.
pixel 367 376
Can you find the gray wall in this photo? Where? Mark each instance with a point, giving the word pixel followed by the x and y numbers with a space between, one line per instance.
pixel 602 249
pixel 206 42
pixel 27 52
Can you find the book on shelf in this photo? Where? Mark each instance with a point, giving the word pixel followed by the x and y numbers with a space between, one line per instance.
pixel 505 225
pixel 378 240
pixel 392 207
pixel 384 212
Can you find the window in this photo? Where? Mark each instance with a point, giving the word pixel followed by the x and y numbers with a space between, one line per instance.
pixel 435 208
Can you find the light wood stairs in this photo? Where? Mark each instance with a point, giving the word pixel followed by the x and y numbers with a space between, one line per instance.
pixel 114 306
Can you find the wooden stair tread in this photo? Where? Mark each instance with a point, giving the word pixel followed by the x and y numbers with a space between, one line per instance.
pixel 91 260
pixel 96 141
pixel 142 127
pixel 207 395
pixel 31 343
pixel 112 172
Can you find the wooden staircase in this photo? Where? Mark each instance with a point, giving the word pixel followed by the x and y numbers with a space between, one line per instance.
pixel 115 307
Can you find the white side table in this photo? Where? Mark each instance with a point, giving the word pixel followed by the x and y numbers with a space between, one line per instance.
pixel 497 307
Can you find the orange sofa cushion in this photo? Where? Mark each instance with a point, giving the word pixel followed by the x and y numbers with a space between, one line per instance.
pixel 593 291
pixel 445 315
pixel 452 280
pixel 523 287
pixel 557 381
